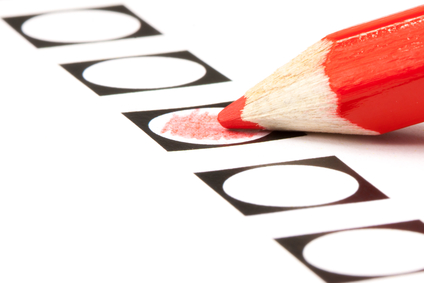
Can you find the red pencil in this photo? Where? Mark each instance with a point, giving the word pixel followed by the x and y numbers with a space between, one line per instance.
pixel 367 79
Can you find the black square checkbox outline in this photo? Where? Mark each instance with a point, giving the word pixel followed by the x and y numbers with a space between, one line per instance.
pixel 295 245
pixel 211 76
pixel 144 30
pixel 142 119
pixel 365 192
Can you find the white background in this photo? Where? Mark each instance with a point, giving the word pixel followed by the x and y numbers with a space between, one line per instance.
pixel 86 196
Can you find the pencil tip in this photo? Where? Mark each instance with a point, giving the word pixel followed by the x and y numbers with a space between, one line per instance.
pixel 230 116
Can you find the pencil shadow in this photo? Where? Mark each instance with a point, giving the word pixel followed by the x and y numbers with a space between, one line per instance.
pixel 413 136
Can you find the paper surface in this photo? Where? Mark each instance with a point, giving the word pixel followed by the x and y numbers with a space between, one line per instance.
pixel 89 192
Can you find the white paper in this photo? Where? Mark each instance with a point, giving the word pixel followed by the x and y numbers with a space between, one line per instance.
pixel 88 196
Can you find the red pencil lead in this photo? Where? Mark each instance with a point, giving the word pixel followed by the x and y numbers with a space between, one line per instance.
pixel 230 117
